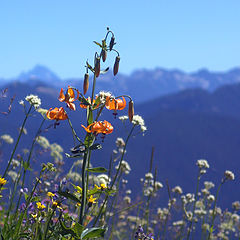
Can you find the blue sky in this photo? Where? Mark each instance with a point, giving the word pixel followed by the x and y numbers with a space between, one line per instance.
pixel 184 34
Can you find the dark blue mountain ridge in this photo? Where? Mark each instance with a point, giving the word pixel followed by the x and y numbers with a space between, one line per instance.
pixel 142 84
pixel 183 127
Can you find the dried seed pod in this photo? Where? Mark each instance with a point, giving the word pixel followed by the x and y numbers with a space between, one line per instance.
pixel 104 55
pixel 97 66
pixel 116 65
pixel 112 42
pixel 130 110
pixel 86 83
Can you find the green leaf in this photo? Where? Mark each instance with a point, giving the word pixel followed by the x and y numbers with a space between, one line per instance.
pixel 97 102
pixel 97 170
pixel 69 196
pixel 66 230
pixel 89 115
pixel 89 139
pixel 78 229
pixel 26 166
pixel 96 146
pixel 110 192
pixel 93 232
pixel 99 44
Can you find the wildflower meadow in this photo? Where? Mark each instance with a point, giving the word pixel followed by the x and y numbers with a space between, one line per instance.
pixel 89 201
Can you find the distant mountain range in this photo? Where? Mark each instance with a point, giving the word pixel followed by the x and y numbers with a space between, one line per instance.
pixel 142 85
pixel 182 127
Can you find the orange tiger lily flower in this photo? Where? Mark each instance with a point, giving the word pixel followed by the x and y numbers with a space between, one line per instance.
pixel 115 104
pixel 69 97
pixel 99 127
pixel 57 114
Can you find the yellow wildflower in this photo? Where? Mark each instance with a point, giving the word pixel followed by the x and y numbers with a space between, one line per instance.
pixel 50 194
pixel 92 199
pixel 2 181
pixel 56 204
pixel 78 204
pixel 79 189
pixel 102 186
pixel 34 215
pixel 40 206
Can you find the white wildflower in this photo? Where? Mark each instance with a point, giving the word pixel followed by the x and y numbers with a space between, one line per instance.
pixel 211 198
pixel 33 100
pixel 202 163
pixel 13 175
pixel 229 175
pixel 177 190
pixel 125 167
pixel 123 118
pixel 21 102
pixel 103 96
pixel 15 163
pixel 127 199
pixel 104 179
pixel 158 185
pixel 7 138
pixel 43 142
pixel 128 192
pixel 76 177
pixel 178 223
pixel 208 185
pixel 236 205
pixel 148 176
pixel 120 142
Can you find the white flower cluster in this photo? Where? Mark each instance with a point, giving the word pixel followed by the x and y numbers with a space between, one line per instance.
pixel 127 199
pixel 229 175
pixel 120 142
pixel 177 190
pixel 34 100
pixel 188 198
pixel 158 185
pixel 148 191
pixel 15 163
pixel 148 176
pixel 74 176
pixel 211 198
pixel 137 120
pixel 103 179
pixel 43 142
pixel 236 205
pixel 203 165
pixel 7 138
pixel 103 95
pixel 178 223
pixel 208 185
pixel 125 167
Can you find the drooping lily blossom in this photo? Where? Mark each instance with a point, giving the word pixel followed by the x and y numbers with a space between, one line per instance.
pixel 103 127
pixel 115 104
pixel 57 114
pixel 69 97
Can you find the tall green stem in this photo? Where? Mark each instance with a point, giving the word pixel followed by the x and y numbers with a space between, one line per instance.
pixel 19 136
pixel 28 162
pixel 115 177
pixel 214 210
pixel 194 205
pixel 84 188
